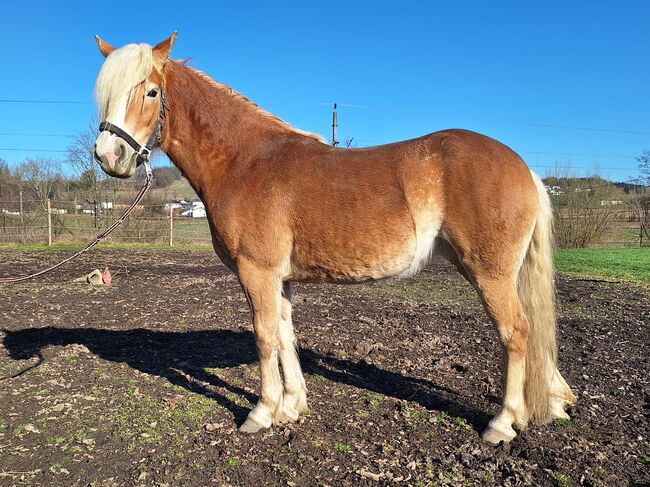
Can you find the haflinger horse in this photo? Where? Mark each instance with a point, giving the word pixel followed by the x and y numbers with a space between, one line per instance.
pixel 283 206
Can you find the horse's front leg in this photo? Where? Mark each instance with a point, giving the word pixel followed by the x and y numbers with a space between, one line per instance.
pixel 264 293
pixel 295 390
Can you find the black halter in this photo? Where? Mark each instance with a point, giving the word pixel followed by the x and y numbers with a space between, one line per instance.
pixel 143 151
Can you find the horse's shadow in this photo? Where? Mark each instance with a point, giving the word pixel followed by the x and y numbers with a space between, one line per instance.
pixel 184 358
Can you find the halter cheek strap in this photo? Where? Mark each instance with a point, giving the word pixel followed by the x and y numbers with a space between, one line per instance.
pixel 143 151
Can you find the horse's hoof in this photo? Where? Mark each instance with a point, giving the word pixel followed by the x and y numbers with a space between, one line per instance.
pixel 495 436
pixel 251 426
pixel 289 415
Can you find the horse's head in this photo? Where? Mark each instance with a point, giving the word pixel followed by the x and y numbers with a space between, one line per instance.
pixel 130 94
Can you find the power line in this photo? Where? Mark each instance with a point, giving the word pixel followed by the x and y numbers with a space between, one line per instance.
pixel 31 150
pixel 18 134
pixel 490 120
pixel 47 102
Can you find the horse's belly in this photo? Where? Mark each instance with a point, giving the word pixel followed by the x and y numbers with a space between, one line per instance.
pixel 362 254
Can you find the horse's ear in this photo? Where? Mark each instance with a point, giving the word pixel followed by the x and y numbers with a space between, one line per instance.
pixel 162 49
pixel 104 46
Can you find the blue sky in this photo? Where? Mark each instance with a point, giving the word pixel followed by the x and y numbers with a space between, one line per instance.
pixel 521 72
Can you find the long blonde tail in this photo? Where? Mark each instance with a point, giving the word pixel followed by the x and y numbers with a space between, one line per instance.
pixel 536 289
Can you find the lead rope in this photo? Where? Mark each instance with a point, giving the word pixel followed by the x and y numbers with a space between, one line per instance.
pixel 102 236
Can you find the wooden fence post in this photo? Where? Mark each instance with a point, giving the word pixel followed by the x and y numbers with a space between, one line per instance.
pixel 49 223
pixel 171 225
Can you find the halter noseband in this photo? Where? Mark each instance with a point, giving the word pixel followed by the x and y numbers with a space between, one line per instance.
pixel 143 151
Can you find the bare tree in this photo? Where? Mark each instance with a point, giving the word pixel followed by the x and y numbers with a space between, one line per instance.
pixel 644 168
pixel 640 202
pixel 80 155
pixel 5 182
pixel 585 208
pixel 40 178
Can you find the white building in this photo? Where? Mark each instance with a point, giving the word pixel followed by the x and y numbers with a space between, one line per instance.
pixel 194 213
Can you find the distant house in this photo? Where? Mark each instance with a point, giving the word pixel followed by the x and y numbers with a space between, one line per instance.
pixel 554 190
pixel 194 213
pixel 176 204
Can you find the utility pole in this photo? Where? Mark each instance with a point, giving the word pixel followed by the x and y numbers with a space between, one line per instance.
pixel 22 221
pixel 335 124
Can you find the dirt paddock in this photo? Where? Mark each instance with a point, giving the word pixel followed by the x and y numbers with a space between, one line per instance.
pixel 144 382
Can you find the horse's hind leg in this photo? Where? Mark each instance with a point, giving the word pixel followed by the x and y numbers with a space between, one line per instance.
pixel 264 293
pixel 502 304
pixel 295 390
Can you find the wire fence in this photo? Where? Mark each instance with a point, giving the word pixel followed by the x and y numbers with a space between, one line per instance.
pixel 154 224
pixel 163 224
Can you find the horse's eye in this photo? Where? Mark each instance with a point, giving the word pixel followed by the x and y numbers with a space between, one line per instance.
pixel 152 93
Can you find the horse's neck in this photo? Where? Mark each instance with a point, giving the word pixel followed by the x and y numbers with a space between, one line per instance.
pixel 208 130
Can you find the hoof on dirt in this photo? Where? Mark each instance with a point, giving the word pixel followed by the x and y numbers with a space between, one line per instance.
pixel 251 426
pixel 494 436
pixel 289 416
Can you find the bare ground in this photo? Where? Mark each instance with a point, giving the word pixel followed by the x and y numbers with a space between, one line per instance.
pixel 145 381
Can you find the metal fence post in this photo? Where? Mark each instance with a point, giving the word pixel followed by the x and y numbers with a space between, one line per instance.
pixel 49 223
pixel 171 225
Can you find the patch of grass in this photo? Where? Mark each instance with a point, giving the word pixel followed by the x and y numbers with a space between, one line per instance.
pixel 627 264
pixel 342 447
pixel 562 421
pixel 195 408
pixel 234 462
pixel 3 425
pixel 563 480
pixel 486 478
pixel 415 417
pixel 441 418
pixel 57 440
pixel 375 400
pixel 319 377
pixel 147 420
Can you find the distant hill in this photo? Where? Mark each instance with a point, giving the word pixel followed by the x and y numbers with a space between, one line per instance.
pixel 177 190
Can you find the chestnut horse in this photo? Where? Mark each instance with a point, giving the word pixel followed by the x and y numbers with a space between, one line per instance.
pixel 283 207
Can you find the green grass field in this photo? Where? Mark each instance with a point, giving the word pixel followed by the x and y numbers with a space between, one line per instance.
pixel 632 264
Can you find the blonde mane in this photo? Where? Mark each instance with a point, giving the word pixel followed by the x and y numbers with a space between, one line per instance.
pixel 124 69
pixel 130 65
